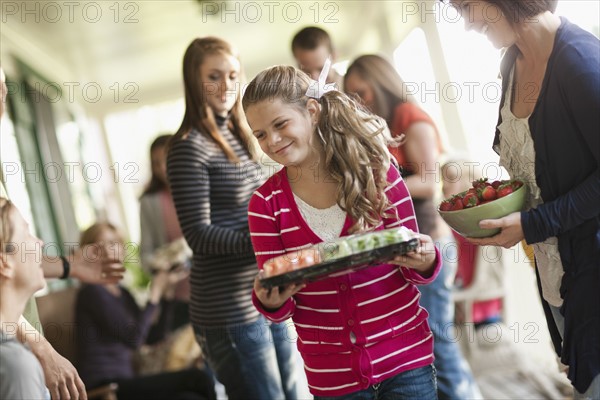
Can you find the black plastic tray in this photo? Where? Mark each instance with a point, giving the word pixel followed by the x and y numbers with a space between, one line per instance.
pixel 353 263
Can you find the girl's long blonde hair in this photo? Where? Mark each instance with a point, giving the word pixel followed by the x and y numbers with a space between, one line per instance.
pixel 354 141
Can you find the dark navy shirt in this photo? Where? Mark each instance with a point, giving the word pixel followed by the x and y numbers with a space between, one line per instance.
pixel 565 126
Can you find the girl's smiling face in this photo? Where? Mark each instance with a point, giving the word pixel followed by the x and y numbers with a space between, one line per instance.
pixel 487 19
pixel 220 77
pixel 285 131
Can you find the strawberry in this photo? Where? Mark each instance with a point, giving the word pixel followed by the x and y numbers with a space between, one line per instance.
pixel 504 190
pixel 480 183
pixel 487 193
pixel 516 184
pixel 495 184
pixel 470 200
pixel 446 205
pixel 457 203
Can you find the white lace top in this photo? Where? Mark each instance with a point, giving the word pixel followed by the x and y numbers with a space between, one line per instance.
pixel 517 155
pixel 325 223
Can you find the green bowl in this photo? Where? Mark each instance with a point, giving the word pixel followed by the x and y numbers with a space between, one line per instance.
pixel 466 221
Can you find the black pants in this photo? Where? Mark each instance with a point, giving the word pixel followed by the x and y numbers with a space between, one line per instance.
pixel 188 384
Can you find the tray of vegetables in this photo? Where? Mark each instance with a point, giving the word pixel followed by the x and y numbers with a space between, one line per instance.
pixel 342 255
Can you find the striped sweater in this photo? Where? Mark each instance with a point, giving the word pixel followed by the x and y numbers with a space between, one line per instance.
pixel 356 329
pixel 211 198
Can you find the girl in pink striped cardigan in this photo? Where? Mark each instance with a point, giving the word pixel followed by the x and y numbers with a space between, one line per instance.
pixel 363 334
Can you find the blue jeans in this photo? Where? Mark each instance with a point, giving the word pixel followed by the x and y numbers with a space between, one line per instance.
pixel 416 384
pixel 252 361
pixel 454 377
pixel 284 341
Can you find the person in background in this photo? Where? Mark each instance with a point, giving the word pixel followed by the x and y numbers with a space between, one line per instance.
pixel 21 275
pixel 362 335
pixel 547 137
pixel 110 326
pixel 61 377
pixel 311 46
pixel 212 173
pixel 159 230
pixel 382 91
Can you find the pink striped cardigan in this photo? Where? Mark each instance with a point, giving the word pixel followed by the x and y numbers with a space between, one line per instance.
pixel 357 329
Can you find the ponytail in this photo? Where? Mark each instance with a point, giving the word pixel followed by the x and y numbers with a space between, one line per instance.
pixel 356 155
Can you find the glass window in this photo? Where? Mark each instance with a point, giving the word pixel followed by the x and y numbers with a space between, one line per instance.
pixel 584 13
pixel 79 175
pixel 135 130
pixel 12 171
pixel 473 65
pixel 413 63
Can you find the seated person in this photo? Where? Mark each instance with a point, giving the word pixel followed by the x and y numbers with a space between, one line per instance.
pixel 60 375
pixel 21 275
pixel 111 327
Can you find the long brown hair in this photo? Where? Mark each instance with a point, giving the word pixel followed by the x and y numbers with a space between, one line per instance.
pixel 198 115
pixel 156 184
pixel 354 141
pixel 388 87
pixel 389 91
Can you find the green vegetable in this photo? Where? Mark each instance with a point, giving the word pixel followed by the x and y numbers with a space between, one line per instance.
pixel 348 245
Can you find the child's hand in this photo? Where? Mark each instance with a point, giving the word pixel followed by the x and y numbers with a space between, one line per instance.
pixel 274 298
pixel 421 259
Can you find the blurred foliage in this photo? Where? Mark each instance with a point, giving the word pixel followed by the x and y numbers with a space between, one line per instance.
pixel 138 278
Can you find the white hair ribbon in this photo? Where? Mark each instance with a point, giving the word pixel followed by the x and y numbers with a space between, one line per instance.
pixel 319 88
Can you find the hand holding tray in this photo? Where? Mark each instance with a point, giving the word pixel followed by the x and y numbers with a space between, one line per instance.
pixel 346 254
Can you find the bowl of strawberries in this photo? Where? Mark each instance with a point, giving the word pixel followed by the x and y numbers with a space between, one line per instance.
pixel 484 200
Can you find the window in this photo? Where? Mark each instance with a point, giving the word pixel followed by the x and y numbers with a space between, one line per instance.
pixel 584 13
pixel 12 171
pixel 473 65
pixel 135 130
pixel 79 174
pixel 413 63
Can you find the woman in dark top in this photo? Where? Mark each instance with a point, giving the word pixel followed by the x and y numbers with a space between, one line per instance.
pixel 111 326
pixel 212 173
pixel 376 82
pixel 548 136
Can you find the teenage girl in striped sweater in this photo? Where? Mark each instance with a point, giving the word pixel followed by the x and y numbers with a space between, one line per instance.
pixel 212 175
pixel 362 335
